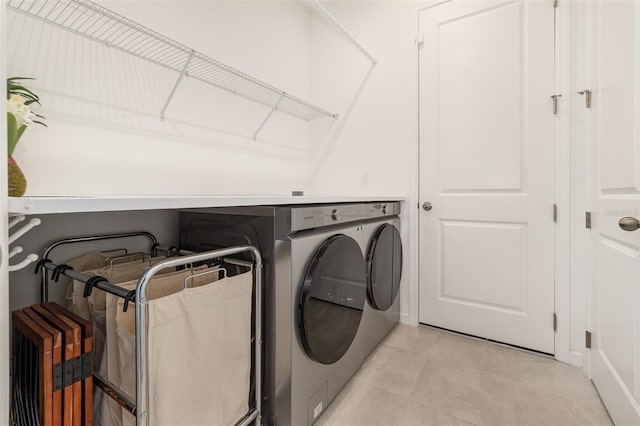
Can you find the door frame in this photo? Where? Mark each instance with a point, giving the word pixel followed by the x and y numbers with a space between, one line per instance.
pixel 579 64
pixel 563 194
pixel 5 391
pixel 565 42
pixel 573 281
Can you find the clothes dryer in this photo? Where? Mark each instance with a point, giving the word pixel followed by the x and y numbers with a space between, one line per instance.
pixel 384 258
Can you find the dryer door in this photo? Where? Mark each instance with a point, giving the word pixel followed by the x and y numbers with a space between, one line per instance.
pixel 332 299
pixel 384 267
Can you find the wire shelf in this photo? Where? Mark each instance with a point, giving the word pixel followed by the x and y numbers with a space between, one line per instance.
pixel 96 23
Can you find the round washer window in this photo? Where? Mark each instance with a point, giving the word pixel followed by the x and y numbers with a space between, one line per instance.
pixel 332 299
pixel 384 267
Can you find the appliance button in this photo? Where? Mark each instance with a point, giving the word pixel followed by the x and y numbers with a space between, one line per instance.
pixel 335 214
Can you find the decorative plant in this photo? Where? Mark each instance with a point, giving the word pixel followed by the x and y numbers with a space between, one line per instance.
pixel 19 114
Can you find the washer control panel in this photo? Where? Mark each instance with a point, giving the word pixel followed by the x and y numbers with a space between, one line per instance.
pixel 309 217
pixel 343 213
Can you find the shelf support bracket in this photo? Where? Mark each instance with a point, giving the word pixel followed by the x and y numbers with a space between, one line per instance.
pixel 275 107
pixel 183 74
pixel 344 31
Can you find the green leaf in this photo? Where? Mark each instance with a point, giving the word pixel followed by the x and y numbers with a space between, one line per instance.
pixel 13 133
pixel 21 130
pixel 17 89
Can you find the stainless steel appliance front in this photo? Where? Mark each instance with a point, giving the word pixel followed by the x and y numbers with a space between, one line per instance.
pixel 306 385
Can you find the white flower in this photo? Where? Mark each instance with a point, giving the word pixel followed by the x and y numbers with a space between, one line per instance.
pixel 16 106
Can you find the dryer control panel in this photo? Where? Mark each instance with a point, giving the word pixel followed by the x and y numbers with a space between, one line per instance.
pixel 310 217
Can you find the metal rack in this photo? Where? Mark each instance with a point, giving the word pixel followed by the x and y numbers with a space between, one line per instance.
pixel 101 25
pixel 140 407
pixel 44 282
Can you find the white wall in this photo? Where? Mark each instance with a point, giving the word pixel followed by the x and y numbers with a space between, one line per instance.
pixel 374 149
pixel 135 154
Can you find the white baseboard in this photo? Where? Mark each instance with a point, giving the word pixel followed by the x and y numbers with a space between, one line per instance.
pixel 576 358
pixel 406 319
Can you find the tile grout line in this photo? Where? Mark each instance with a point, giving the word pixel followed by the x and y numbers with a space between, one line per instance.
pixel 397 422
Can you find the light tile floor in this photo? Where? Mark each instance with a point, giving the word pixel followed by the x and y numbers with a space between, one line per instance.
pixel 422 376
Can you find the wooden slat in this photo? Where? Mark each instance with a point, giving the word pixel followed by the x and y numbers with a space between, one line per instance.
pixel 68 334
pixel 57 359
pixel 86 328
pixel 44 341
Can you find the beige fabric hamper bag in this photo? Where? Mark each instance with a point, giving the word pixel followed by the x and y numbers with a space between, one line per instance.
pixel 93 308
pixel 199 348
pixel 120 331
pixel 200 354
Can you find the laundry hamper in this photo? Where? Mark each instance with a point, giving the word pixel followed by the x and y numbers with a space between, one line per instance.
pixel 215 330
pixel 200 354
pixel 202 336
pixel 120 331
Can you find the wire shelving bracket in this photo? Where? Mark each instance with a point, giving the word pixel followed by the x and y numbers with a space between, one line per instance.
pixel 99 24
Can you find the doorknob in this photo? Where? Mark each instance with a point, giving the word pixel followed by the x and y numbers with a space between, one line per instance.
pixel 427 206
pixel 629 223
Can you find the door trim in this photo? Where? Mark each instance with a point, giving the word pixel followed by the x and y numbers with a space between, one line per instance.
pixel 580 166
pixel 5 391
pixel 563 62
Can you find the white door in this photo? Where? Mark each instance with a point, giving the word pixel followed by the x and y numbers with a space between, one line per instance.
pixel 487 167
pixel 615 253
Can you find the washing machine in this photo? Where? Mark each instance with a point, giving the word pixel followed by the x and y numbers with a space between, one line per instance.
pixel 341 266
pixel 331 278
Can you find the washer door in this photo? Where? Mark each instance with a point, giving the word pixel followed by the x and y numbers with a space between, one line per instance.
pixel 332 299
pixel 384 267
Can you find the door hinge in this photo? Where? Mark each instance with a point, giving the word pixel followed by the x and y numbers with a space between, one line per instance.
pixel 555 103
pixel 555 322
pixel 587 339
pixel 587 220
pixel 587 97
pixel 555 212
pixel 555 3
pixel 419 41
